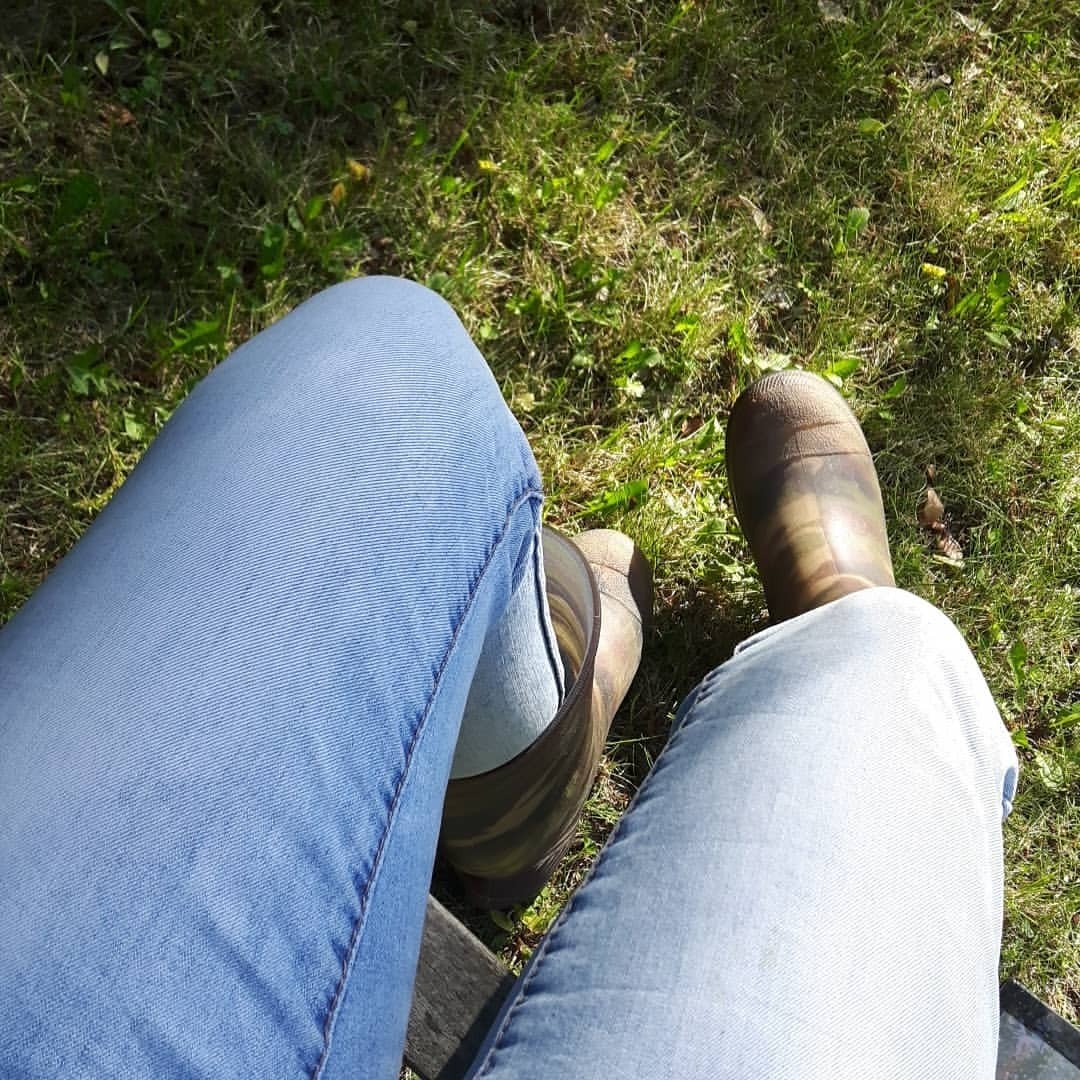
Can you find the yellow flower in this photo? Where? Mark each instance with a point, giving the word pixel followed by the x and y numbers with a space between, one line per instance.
pixel 337 193
pixel 486 165
pixel 358 170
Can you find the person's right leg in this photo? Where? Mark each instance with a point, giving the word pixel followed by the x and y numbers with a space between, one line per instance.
pixel 227 718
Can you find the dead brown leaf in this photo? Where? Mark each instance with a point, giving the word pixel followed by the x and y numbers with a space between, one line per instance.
pixel 931 509
pixel 931 516
pixel 116 115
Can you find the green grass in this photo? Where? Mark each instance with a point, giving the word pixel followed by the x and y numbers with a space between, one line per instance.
pixel 636 207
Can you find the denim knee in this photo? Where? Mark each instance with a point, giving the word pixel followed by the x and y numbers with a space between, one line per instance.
pixel 888 649
pixel 410 325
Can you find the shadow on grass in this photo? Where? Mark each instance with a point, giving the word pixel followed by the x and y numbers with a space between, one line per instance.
pixel 199 147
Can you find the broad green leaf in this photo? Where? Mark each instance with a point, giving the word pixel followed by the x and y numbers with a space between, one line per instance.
pixel 1052 770
pixel 1070 186
pixel 25 184
pixel 439 281
pixel 608 190
pixel 1018 655
pixel 420 136
pixel 272 250
pixel 966 303
pixel 132 428
pixel 707 436
pixel 619 498
pixel 605 151
pixel 9 585
pixel 649 357
pixel 1009 198
pixel 86 373
pixel 502 921
pixel 1070 718
pixel 869 126
pixel 845 366
pixel 738 339
pixel 771 360
pixel 77 196
pixel 999 284
pixel 857 220
pixel 201 334
pixel 897 388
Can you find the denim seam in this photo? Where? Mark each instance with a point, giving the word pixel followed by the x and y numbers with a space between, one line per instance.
pixel 544 618
pixel 701 693
pixel 705 693
pixel 527 494
pixel 597 868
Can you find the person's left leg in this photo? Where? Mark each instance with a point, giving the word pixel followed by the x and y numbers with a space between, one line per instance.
pixel 808 883
pixel 227 718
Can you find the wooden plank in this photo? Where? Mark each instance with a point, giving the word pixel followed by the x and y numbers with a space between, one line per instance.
pixel 460 985
pixel 1023 1052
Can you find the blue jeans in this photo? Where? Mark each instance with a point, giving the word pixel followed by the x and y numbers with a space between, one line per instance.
pixel 228 717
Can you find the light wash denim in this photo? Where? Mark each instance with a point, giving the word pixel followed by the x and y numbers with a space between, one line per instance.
pixel 518 684
pixel 228 717
pixel 809 882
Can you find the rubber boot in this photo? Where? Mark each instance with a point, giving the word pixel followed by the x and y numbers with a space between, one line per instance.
pixel 505 831
pixel 806 493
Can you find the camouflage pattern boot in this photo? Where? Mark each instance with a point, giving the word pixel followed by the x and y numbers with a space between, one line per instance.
pixel 504 831
pixel 806 493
